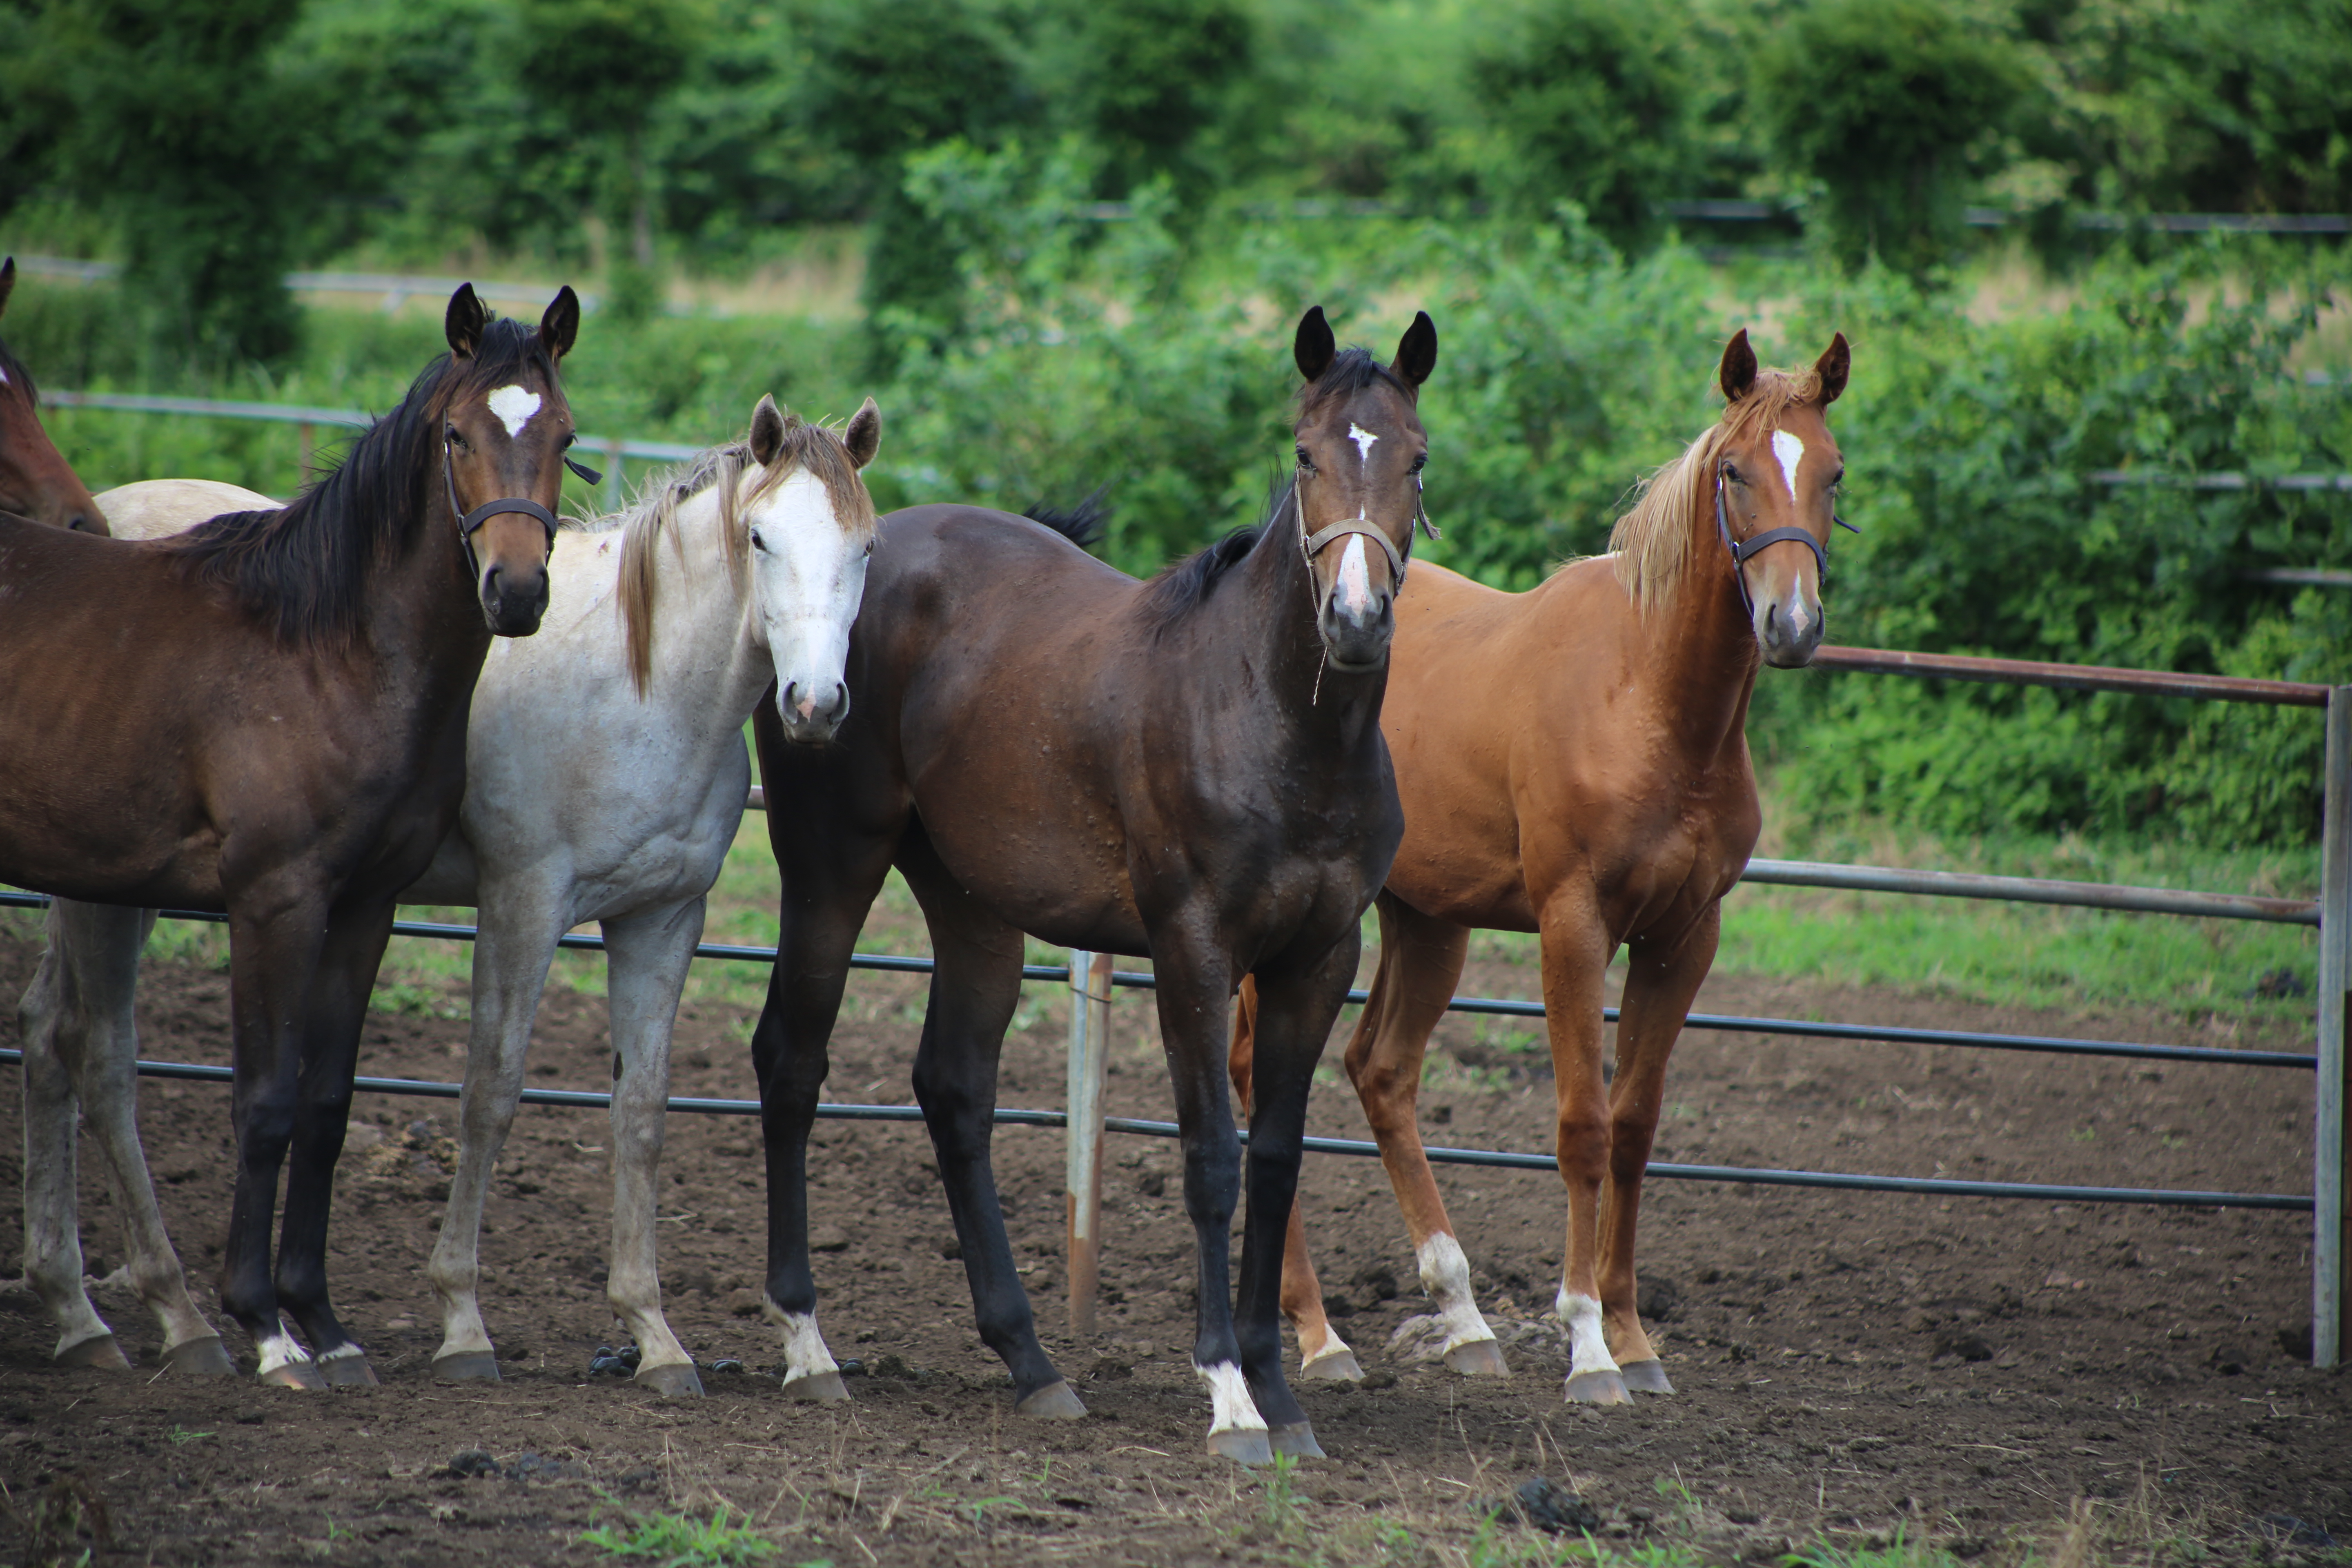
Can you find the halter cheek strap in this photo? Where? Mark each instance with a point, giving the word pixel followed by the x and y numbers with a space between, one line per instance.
pixel 1313 544
pixel 1741 549
pixel 470 522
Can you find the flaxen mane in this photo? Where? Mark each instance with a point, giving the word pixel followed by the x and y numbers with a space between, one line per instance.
pixel 653 515
pixel 1652 541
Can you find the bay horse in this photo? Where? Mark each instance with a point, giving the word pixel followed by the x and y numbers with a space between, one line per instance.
pixel 1188 768
pixel 36 481
pixel 1573 761
pixel 603 782
pixel 277 730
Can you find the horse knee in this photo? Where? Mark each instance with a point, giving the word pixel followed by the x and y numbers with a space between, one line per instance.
pixel 1583 1149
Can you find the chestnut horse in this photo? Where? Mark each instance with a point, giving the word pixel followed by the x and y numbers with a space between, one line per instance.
pixel 276 728
pixel 35 482
pixel 1573 761
pixel 1187 768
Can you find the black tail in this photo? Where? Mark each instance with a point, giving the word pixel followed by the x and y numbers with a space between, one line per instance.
pixel 1082 524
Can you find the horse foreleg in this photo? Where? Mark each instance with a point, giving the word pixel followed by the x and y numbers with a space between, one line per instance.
pixel 99 1038
pixel 1662 980
pixel 1295 1013
pixel 1322 1353
pixel 332 1019
pixel 53 1260
pixel 1420 961
pixel 650 949
pixel 520 929
pixel 1575 958
pixel 276 936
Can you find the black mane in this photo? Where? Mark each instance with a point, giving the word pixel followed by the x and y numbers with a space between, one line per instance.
pixel 1349 372
pixel 303 568
pixel 1082 524
pixel 1186 587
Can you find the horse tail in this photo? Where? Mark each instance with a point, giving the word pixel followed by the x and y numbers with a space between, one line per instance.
pixel 1083 524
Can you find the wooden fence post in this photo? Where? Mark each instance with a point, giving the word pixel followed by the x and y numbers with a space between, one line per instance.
pixel 2330 1173
pixel 1090 1051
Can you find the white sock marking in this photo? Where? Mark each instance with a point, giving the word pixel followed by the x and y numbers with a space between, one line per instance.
pixel 1445 1275
pixel 1332 1345
pixel 279 1350
pixel 1792 452
pixel 1588 1346
pixel 514 407
pixel 1355 586
pixel 805 1352
pixel 342 1353
pixel 1231 1408
pixel 1363 439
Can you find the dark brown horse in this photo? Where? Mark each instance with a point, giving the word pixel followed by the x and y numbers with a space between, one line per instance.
pixel 267 715
pixel 1190 768
pixel 35 482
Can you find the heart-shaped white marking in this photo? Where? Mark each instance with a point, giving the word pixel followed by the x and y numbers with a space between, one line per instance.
pixel 514 407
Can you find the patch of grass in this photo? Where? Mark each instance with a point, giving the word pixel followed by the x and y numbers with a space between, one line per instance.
pixel 179 1434
pixel 683 1540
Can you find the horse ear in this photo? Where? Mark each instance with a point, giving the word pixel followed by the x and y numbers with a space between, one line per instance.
pixel 1416 354
pixel 7 283
pixel 767 432
pixel 1836 361
pixel 465 323
pixel 1315 347
pixel 1738 372
pixel 560 328
pixel 863 436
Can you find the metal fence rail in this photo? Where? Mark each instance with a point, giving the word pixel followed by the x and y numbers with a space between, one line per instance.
pixel 578 1098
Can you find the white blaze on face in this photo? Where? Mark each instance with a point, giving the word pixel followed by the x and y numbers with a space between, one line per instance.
pixel 1231 1407
pixel 1445 1275
pixel 1354 590
pixel 1588 1346
pixel 1792 452
pixel 514 407
pixel 1363 439
pixel 1796 612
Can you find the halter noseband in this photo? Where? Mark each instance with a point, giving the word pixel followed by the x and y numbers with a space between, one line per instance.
pixel 1313 544
pixel 1741 549
pixel 470 522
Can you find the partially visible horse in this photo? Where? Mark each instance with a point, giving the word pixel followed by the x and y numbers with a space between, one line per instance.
pixel 267 715
pixel 36 481
pixel 1190 768
pixel 606 776
pixel 1573 761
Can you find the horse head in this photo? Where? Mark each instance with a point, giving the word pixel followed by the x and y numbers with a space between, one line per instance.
pixel 1361 448
pixel 505 428
pixel 36 481
pixel 1775 496
pixel 812 527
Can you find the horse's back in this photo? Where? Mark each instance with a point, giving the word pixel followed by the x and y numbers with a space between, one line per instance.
pixel 158 508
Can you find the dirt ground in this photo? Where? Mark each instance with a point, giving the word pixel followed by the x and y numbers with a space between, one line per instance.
pixel 1850 1367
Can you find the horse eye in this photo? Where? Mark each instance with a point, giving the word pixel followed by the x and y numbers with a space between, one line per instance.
pixel 869 549
pixel 1420 462
pixel 759 544
pixel 1305 461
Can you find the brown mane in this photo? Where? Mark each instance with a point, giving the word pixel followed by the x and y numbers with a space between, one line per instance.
pixel 653 514
pixel 1652 541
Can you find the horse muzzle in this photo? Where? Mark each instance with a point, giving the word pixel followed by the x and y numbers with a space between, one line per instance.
pixel 513 600
pixel 1356 636
pixel 1788 629
pixel 811 711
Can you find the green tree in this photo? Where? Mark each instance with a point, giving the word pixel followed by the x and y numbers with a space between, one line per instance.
pixel 1591 102
pixel 1890 107
pixel 1150 83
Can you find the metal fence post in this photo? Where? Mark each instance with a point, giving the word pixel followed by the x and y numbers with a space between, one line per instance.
pixel 1089 1052
pixel 2329 1172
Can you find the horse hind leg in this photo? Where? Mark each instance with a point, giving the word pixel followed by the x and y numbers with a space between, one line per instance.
pixel 53 1257
pixel 1322 1355
pixel 650 949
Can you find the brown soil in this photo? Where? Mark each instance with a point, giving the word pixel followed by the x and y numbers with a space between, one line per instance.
pixel 1849 1365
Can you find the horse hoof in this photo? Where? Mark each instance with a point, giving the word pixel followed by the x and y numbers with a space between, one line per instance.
pixel 1297 1440
pixel 1057 1401
pixel 672 1381
pixel 466 1366
pixel 98 1351
pixel 1335 1366
pixel 818 1387
pixel 1598 1388
pixel 1645 1376
pixel 1479 1358
pixel 350 1371
pixel 1243 1448
pixel 294 1374
pixel 204 1357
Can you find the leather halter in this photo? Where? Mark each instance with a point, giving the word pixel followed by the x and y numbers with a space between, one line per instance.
pixel 1313 544
pixel 1741 549
pixel 470 522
